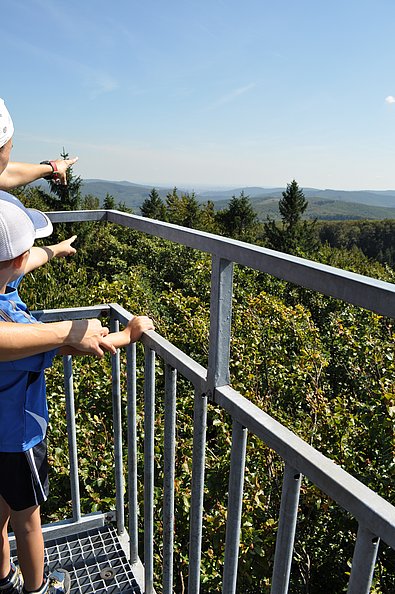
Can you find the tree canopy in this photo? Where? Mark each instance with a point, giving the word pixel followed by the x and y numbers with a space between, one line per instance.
pixel 323 368
pixel 292 235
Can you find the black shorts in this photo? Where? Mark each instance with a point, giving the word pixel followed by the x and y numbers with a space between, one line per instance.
pixel 24 477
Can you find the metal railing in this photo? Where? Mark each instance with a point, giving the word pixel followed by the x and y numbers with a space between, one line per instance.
pixel 375 516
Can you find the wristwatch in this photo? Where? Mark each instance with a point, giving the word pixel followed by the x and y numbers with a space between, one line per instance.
pixel 54 176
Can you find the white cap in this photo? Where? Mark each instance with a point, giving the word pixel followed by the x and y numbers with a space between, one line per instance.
pixel 19 227
pixel 6 125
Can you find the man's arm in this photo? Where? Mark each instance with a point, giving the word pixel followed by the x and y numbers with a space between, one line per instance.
pixel 23 340
pixel 19 174
pixel 131 333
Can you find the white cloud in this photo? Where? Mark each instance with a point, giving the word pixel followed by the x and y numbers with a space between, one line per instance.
pixel 390 99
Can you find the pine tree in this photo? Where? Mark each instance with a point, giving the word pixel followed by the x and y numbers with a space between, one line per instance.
pixel 153 207
pixel 239 220
pixel 183 210
pixel 208 218
pixel 66 197
pixel 292 235
pixel 109 202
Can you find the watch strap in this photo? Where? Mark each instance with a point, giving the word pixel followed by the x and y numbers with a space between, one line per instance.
pixel 54 175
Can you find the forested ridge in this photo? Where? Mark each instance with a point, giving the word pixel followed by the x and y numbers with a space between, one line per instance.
pixel 321 367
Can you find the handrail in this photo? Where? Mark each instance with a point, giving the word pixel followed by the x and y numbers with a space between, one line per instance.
pixel 356 289
pixel 375 513
pixel 376 517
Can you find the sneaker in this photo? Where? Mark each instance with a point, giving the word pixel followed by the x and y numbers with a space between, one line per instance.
pixel 14 584
pixel 58 582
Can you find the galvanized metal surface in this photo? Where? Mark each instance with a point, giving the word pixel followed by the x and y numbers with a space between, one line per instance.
pixel 372 294
pixel 375 515
pixel 95 560
pixel 363 562
pixel 351 494
pixel 196 510
pixel 131 367
pixel 235 503
pixel 286 530
pixel 220 323
pixel 363 503
pixel 149 445
pixel 117 430
pixel 72 437
pixel 169 477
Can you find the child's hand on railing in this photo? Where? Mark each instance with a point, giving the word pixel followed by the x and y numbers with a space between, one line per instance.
pixel 137 325
pixel 132 332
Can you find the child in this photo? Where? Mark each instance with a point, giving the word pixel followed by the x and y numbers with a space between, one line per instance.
pixel 23 406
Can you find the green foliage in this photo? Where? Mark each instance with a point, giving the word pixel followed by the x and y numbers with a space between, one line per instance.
pixel 65 197
pixel 322 368
pixel 239 220
pixel 293 235
pixel 183 210
pixel 153 207
pixel 376 239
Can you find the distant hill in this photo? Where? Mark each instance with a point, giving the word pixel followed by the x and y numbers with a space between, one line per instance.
pixel 325 209
pixel 323 204
pixel 133 195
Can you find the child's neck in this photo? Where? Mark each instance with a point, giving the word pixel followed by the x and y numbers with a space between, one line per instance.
pixel 5 279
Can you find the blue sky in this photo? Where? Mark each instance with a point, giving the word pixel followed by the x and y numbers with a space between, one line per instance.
pixel 206 92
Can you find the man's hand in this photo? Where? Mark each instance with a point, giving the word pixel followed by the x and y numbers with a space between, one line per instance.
pixel 62 166
pixel 89 337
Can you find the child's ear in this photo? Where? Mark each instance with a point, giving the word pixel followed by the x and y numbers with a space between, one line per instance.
pixel 18 261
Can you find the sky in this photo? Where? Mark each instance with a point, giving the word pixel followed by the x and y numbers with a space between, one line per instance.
pixel 205 93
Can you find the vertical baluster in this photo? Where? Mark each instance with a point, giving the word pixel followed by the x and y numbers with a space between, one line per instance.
pixel 235 501
pixel 149 420
pixel 220 322
pixel 196 512
pixel 132 451
pixel 72 437
pixel 117 424
pixel 363 562
pixel 169 473
pixel 286 530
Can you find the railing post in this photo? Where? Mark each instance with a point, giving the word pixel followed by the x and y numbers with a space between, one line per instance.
pixel 363 562
pixel 117 424
pixel 149 422
pixel 286 530
pixel 72 437
pixel 196 512
pixel 235 501
pixel 169 474
pixel 132 451
pixel 220 322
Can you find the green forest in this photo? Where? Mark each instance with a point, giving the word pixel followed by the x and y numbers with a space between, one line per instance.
pixel 323 368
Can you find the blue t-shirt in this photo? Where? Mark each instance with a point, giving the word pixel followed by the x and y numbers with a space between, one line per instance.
pixel 23 403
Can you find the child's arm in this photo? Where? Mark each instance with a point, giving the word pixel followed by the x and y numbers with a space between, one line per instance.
pixel 41 255
pixel 131 333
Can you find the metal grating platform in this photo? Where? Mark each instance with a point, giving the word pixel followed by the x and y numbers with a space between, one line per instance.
pixel 95 560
